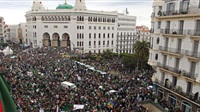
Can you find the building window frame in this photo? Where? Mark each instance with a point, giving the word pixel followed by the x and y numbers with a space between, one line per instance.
pixel 186 104
pixel 159 24
pixel 160 91
pixel 173 97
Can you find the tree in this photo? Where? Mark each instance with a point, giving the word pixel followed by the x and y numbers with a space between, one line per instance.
pixel 141 49
pixel 129 60
pixel 107 54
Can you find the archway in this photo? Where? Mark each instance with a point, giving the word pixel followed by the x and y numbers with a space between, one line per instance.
pixel 186 107
pixel 46 40
pixel 172 100
pixel 20 36
pixel 160 94
pixel 56 40
pixel 66 40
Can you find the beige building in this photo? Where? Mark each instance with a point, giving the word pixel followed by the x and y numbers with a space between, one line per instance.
pixel 18 33
pixel 175 52
pixel 143 33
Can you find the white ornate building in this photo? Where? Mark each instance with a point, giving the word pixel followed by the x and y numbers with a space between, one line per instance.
pixel 77 27
pixel 175 52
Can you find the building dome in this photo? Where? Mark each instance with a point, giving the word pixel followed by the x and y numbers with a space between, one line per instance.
pixel 64 6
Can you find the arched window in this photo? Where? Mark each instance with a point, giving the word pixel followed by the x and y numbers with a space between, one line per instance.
pixel 186 107
pixel 160 94
pixel 172 100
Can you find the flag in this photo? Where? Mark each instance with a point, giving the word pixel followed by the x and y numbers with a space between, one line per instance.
pixel 77 107
pixel 110 104
pixel 36 71
pixel 6 101
pixel 68 107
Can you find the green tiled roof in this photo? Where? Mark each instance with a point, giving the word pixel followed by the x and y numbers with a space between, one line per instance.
pixel 64 6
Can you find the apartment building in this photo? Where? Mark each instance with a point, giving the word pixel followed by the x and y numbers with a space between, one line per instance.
pixel 2 25
pixel 18 33
pixel 143 33
pixel 175 52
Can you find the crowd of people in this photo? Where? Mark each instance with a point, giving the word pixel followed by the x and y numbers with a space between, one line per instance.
pixel 34 77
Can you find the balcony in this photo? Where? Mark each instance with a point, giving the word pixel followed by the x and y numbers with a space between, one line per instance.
pixel 190 76
pixel 172 12
pixel 164 14
pixel 173 32
pixel 192 55
pixel 172 70
pixel 178 91
pixel 160 82
pixel 194 34
pixel 171 51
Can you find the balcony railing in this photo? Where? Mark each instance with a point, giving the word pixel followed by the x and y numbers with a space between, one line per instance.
pixel 172 69
pixel 172 50
pixel 173 31
pixel 173 12
pixel 190 75
pixel 192 54
pixel 179 90
pixel 160 82
pixel 194 32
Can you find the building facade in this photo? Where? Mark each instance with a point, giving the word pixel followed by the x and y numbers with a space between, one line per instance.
pixel 76 27
pixel 2 28
pixel 175 52
pixel 143 33
pixel 7 33
pixel 18 33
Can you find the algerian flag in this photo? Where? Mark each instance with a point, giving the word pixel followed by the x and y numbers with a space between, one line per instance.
pixel 68 107
pixel 77 107
pixel 6 101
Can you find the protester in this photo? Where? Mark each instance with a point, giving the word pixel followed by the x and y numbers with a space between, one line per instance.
pixel 34 77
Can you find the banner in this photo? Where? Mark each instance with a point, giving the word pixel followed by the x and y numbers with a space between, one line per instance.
pixel 77 107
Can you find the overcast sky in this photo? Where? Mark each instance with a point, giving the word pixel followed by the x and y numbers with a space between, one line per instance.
pixel 13 11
